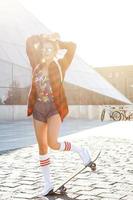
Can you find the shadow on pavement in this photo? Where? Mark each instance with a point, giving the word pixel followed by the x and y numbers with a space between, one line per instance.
pixel 54 197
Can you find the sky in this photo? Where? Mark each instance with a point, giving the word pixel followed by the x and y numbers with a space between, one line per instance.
pixel 102 29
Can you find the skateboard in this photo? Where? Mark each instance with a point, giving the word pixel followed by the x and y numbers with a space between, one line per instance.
pixel 62 189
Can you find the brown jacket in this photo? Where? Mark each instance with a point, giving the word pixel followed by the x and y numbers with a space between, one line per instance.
pixel 60 99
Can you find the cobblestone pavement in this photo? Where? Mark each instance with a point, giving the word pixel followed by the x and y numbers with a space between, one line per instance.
pixel 21 178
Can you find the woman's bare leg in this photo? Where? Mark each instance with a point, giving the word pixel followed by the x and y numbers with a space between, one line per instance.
pixel 54 124
pixel 41 135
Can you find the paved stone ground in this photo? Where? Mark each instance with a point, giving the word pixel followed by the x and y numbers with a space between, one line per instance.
pixel 21 178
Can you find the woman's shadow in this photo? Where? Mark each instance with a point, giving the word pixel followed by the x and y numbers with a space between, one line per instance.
pixel 54 197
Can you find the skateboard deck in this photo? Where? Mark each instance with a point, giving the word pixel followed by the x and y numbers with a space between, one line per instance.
pixel 62 189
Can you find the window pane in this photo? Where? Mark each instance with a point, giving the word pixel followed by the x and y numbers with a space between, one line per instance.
pixel 13 96
pixel 6 96
pixel 3 55
pixel 13 54
pixel 21 77
pixel 6 74
pixel 20 96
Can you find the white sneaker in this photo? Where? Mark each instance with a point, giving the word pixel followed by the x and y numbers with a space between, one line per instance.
pixel 47 189
pixel 85 156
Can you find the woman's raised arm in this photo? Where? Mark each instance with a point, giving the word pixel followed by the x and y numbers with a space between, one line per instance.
pixel 67 59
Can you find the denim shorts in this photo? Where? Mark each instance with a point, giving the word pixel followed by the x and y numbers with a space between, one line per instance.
pixel 43 110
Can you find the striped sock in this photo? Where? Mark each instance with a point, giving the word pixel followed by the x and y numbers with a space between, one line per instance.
pixel 68 146
pixel 44 164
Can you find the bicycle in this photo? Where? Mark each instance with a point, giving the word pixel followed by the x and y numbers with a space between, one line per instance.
pixel 117 114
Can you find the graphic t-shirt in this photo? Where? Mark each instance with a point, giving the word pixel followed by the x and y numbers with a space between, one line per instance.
pixel 43 87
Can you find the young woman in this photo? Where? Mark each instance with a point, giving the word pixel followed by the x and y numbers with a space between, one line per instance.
pixel 47 101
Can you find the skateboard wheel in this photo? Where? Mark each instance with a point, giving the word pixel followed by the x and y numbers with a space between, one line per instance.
pixel 93 166
pixel 63 188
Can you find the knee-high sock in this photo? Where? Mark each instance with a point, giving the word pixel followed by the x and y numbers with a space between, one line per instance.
pixel 44 164
pixel 68 146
